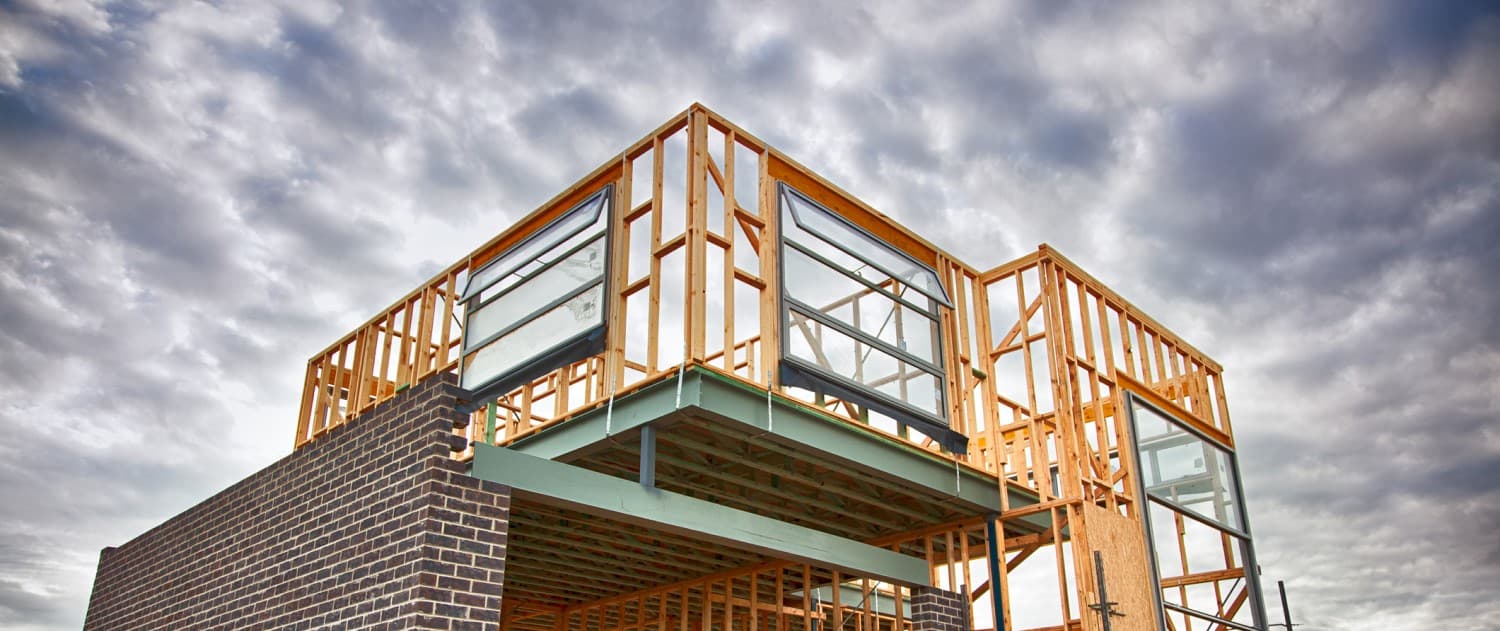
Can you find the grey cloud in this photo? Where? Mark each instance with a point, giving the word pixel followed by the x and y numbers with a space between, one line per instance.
pixel 315 233
pixel 572 126
pixel 321 72
pixel 1432 32
pixel 777 64
pixel 17 603
pixel 427 28
pixel 1013 111
pixel 442 168
pixel 135 199
pixel 1072 140
pixel 190 214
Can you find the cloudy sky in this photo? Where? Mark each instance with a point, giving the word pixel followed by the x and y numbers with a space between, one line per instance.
pixel 194 198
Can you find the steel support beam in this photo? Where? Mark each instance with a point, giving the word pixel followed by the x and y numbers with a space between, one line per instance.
pixel 709 395
pixel 575 488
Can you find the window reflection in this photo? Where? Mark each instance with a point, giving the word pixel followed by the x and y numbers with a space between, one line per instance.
pixel 840 234
pixel 1180 467
pixel 861 317
pixel 532 337
pixel 530 305
pixel 531 253
pixel 1195 523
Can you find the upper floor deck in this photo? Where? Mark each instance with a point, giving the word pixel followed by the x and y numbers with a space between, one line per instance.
pixel 702 247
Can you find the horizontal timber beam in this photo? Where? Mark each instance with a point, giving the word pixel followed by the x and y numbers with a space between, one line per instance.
pixel 576 488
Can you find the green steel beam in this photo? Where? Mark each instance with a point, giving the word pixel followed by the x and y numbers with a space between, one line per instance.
pixel 576 488
pixel 706 394
pixel 629 412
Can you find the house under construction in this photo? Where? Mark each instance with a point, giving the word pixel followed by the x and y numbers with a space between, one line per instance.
pixel 705 388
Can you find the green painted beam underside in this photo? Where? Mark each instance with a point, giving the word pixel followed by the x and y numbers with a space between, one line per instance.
pixel 705 393
pixel 595 493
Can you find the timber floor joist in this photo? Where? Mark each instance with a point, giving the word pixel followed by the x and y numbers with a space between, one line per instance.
pixel 562 558
pixel 565 560
pixel 712 447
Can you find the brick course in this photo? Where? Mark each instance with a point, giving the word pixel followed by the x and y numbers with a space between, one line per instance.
pixel 372 526
pixel 934 609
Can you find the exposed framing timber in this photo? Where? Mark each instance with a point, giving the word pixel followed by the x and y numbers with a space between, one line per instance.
pixel 707 393
pixel 555 483
pixel 1040 355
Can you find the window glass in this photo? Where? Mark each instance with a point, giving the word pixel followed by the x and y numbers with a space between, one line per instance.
pixel 866 309
pixel 840 354
pixel 861 316
pixel 563 322
pixel 536 297
pixel 1195 522
pixel 545 288
pixel 1180 467
pixel 587 214
pixel 855 241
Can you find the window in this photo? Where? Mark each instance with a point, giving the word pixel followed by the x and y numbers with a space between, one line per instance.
pixel 1195 522
pixel 861 319
pixel 540 304
pixel 1188 472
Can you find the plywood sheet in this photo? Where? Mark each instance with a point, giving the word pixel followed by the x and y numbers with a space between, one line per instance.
pixel 1122 543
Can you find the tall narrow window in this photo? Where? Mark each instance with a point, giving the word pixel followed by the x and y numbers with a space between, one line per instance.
pixel 860 319
pixel 539 305
pixel 1195 524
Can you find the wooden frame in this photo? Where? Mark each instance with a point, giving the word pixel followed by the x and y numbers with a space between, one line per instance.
pixel 1039 357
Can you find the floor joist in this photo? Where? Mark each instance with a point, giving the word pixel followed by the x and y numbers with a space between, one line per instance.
pixel 548 482
pixel 704 393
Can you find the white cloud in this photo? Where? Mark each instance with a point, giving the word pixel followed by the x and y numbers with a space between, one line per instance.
pixel 194 198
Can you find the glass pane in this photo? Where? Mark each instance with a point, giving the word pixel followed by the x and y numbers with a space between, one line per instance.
pixel 541 334
pixel 891 260
pixel 561 249
pixel 532 267
pixel 584 266
pixel 857 267
pixel 916 333
pixel 838 354
pixel 1178 466
pixel 586 213
pixel 1164 541
pixel 871 312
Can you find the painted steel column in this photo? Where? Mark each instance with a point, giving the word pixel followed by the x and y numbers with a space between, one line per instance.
pixel 992 539
pixel 648 456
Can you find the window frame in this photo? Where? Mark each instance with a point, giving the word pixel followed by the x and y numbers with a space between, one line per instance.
pixel 585 343
pixel 1242 535
pixel 942 292
pixel 795 371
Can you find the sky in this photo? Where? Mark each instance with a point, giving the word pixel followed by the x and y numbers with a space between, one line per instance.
pixel 195 198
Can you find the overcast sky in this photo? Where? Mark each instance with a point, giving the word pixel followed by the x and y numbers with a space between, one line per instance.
pixel 194 199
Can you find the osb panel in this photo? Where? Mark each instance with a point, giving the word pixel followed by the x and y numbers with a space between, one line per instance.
pixel 1122 544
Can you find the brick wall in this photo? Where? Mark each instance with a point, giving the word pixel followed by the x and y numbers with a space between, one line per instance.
pixel 935 609
pixel 372 526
